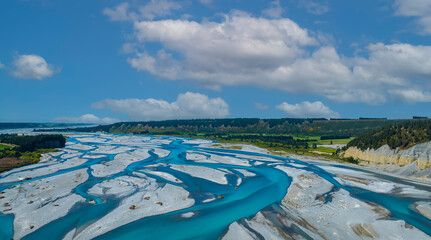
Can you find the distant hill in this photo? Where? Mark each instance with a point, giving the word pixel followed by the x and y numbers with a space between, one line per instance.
pixel 402 135
pixel 288 126
pixel 34 125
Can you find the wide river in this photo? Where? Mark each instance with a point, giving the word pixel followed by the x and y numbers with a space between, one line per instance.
pixel 108 186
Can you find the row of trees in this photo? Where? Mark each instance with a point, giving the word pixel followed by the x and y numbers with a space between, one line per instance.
pixel 284 126
pixel 269 140
pixel 334 137
pixel 32 142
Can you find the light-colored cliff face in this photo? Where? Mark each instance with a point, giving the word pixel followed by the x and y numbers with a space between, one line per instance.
pixel 420 153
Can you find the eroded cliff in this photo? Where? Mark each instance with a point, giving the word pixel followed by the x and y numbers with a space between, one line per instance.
pixel 419 154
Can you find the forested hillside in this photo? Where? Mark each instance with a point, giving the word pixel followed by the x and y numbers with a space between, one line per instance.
pixel 285 126
pixel 403 135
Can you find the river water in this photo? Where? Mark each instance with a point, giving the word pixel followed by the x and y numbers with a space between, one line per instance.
pixel 248 183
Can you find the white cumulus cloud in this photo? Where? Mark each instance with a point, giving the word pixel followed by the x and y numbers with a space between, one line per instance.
pixel 2 65
pixel 315 7
pixel 158 8
pixel 419 9
pixel 86 118
pixel 307 110
pixel 151 10
pixel 275 9
pixel 187 106
pixel 394 68
pixel 119 13
pixel 31 67
pixel 243 50
pixel 226 53
pixel 411 95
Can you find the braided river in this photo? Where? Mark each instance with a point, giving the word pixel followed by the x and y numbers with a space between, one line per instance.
pixel 111 186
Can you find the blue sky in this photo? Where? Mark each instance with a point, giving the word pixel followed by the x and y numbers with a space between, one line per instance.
pixel 104 60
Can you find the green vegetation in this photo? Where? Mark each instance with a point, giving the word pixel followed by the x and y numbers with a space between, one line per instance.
pixel 326 149
pixel 352 160
pixel 275 144
pixel 34 156
pixel 19 150
pixel 335 141
pixel 402 135
pixel 333 137
pixel 266 141
pixel 33 142
pixel 298 136
pixel 286 126
pixel 15 159
pixel 4 146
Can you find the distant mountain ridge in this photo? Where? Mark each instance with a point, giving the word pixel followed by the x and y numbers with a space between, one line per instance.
pixel 34 125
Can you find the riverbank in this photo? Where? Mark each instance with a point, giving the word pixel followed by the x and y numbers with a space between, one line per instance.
pixel 414 162
pixel 315 199
pixel 406 172
pixel 17 150
pixel 9 163
pixel 298 154
pixel 323 148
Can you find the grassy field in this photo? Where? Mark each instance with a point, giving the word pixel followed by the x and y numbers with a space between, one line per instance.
pixel 328 153
pixel 4 146
pixel 324 149
pixel 26 158
pixel 276 148
pixel 334 141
